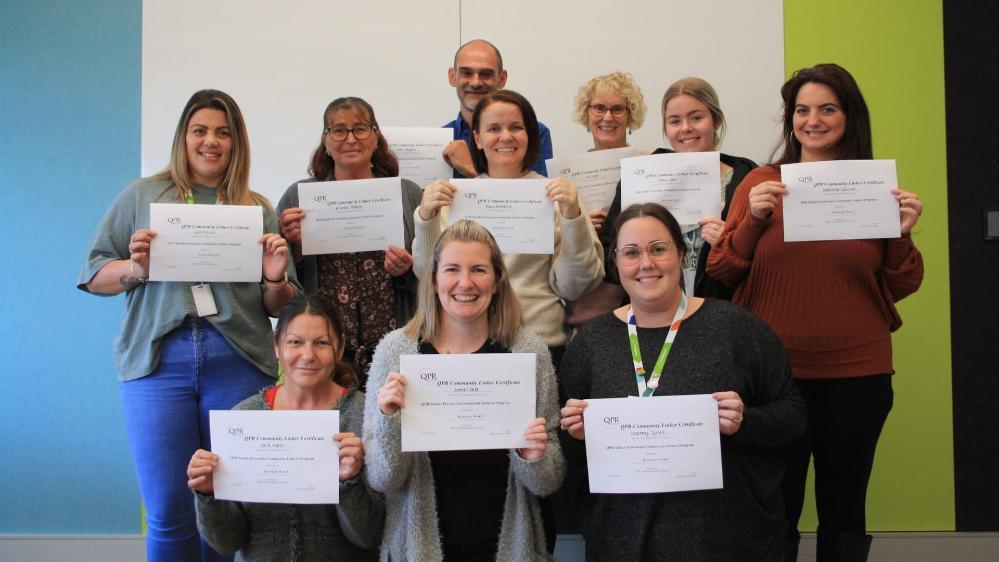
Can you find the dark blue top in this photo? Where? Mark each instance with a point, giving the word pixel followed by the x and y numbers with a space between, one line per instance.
pixel 463 132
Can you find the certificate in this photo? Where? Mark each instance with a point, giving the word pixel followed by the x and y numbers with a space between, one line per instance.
pixel 467 401
pixel 595 174
pixel 652 445
pixel 420 152
pixel 351 215
pixel 518 213
pixel 688 184
pixel 840 200
pixel 283 456
pixel 205 242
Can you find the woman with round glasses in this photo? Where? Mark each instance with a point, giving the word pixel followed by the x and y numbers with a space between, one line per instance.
pixel 374 291
pixel 663 344
pixel 610 106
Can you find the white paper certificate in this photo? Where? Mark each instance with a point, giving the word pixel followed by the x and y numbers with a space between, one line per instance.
pixel 688 184
pixel 517 213
pixel 351 215
pixel 420 152
pixel 205 242
pixel 595 174
pixel 282 456
pixel 652 445
pixel 840 200
pixel 466 402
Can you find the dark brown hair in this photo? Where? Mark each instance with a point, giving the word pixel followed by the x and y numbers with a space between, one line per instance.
pixel 856 141
pixel 343 372
pixel 530 123
pixel 383 162
pixel 652 210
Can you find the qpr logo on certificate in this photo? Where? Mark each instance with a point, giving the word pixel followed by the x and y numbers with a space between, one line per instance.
pixel 612 420
pixel 429 376
pixel 235 431
pixel 173 220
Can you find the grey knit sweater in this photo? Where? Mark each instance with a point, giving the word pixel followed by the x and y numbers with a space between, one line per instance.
pixel 261 532
pixel 407 479
pixel 720 347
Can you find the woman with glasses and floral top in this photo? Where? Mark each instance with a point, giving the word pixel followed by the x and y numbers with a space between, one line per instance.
pixel 697 346
pixel 375 292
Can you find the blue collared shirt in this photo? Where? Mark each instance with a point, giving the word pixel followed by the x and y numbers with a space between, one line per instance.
pixel 463 132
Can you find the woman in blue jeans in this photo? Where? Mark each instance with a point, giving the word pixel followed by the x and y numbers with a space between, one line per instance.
pixel 176 359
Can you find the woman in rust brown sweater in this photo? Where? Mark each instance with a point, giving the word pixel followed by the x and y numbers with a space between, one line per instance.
pixel 832 303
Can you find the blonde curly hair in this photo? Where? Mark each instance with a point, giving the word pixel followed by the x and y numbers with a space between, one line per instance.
pixel 622 84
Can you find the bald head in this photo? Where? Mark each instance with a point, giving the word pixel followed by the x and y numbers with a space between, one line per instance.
pixel 481 44
pixel 477 71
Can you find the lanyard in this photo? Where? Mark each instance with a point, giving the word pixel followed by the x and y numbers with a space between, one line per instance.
pixel 636 353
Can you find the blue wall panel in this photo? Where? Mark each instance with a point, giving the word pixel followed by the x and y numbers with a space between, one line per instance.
pixel 70 81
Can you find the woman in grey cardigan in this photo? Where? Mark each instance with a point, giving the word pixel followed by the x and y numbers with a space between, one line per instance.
pixel 309 343
pixel 462 505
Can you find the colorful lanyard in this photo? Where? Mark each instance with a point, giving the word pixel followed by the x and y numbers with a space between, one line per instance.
pixel 636 353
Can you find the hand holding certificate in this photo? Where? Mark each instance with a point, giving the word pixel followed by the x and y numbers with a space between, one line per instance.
pixel 467 402
pixel 518 213
pixel 653 445
pixel 351 215
pixel 840 200
pixel 688 184
pixel 596 174
pixel 205 242
pixel 419 152
pixel 281 456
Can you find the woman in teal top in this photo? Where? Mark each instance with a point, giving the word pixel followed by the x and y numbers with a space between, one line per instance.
pixel 174 364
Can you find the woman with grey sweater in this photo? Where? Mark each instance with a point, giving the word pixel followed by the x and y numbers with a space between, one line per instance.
pixel 309 343
pixel 462 505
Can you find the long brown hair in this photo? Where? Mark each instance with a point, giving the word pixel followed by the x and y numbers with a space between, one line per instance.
pixel 384 164
pixel 343 372
pixel 235 186
pixel 856 143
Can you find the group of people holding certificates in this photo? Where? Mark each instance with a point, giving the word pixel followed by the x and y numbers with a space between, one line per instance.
pixel 425 388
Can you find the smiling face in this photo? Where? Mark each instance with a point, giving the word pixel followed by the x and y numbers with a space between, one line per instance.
pixel 502 135
pixel 689 124
pixel 209 146
pixel 608 131
pixel 307 351
pixel 351 154
pixel 475 73
pixel 465 282
pixel 819 122
pixel 650 282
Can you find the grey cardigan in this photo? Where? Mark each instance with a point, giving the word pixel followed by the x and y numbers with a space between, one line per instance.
pixel 350 530
pixel 407 479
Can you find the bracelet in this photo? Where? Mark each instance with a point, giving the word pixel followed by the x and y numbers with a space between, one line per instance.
pixel 131 269
pixel 276 284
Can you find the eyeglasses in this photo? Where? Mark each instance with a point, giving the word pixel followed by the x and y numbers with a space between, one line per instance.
pixel 660 250
pixel 599 109
pixel 361 132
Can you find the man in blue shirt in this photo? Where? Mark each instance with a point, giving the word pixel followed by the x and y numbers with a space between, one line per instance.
pixel 477 71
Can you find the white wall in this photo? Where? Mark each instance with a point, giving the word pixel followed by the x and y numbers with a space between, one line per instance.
pixel 283 62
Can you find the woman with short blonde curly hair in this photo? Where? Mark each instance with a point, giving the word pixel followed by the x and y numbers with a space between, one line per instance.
pixel 610 106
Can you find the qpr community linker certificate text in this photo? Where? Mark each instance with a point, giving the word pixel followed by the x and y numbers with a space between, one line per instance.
pixel 205 242
pixel 467 401
pixel 652 445
pixel 283 456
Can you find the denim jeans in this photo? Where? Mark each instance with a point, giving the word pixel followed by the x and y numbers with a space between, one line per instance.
pixel 166 420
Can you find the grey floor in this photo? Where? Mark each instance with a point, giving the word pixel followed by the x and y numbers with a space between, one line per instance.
pixel 887 547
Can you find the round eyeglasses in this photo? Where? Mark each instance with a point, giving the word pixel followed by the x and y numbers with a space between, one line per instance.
pixel 660 250
pixel 361 132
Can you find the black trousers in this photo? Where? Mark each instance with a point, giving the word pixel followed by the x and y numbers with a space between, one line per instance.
pixel 845 417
